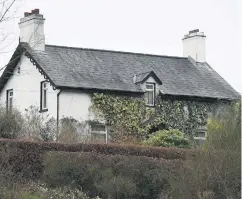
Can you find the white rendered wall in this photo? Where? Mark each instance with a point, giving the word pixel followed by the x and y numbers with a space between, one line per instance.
pixel 26 88
pixel 195 47
pixel 75 104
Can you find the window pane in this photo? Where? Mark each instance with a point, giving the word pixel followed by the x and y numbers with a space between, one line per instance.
pixel 150 97
pixel 10 103
pixel 44 99
pixel 98 127
pixel 97 137
pixel 201 134
pixel 150 86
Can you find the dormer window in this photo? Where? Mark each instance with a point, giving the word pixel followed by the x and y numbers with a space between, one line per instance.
pixel 150 94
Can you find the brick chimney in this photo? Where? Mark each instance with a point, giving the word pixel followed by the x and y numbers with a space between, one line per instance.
pixel 32 30
pixel 194 45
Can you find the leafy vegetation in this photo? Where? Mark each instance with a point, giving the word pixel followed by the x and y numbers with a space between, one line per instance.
pixel 112 176
pixel 125 115
pixel 168 138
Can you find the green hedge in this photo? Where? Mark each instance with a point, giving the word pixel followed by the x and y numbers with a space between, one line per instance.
pixel 26 157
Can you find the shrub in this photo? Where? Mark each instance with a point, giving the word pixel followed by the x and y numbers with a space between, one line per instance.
pixel 215 172
pixel 168 138
pixel 10 123
pixel 38 126
pixel 110 176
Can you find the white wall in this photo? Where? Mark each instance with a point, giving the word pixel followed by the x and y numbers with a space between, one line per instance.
pixel 75 104
pixel 26 92
pixel 26 88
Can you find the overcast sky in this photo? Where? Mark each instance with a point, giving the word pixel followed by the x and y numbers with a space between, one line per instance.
pixel 147 26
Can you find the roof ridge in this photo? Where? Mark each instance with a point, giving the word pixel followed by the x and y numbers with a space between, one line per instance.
pixel 116 51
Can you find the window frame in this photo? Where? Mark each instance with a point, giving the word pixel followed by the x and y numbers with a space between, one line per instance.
pixel 7 99
pixel 99 132
pixel 42 89
pixel 153 91
pixel 201 138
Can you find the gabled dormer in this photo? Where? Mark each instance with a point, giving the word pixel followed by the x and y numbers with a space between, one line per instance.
pixel 150 83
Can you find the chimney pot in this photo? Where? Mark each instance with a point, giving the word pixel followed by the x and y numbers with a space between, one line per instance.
pixel 193 31
pixel 36 11
pixel 26 14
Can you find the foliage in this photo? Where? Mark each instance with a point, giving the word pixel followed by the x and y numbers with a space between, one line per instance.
pixel 123 114
pixel 186 116
pixel 38 126
pixel 168 138
pixel 33 190
pixel 215 172
pixel 26 158
pixel 224 130
pixel 126 114
pixel 10 123
pixel 112 176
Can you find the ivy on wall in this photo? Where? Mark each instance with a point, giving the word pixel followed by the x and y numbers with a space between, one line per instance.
pixel 124 115
pixel 185 115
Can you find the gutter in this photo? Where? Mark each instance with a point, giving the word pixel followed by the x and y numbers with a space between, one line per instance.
pixel 58 112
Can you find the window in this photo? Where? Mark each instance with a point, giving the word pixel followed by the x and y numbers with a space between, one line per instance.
pixel 98 133
pixel 150 94
pixel 43 96
pixel 201 135
pixel 9 99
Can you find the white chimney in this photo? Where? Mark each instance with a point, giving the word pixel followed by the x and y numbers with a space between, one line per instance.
pixel 194 45
pixel 32 30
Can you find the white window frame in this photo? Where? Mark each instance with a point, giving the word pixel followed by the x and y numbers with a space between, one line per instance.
pixel 201 138
pixel 9 98
pixel 153 92
pixel 100 132
pixel 44 98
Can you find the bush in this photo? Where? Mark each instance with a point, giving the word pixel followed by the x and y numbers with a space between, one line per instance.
pixel 215 172
pixel 38 126
pixel 10 123
pixel 109 176
pixel 168 138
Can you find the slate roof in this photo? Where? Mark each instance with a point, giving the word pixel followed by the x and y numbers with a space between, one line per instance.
pixel 112 70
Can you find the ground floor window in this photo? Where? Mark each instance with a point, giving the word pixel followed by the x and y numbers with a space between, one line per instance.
pixel 200 136
pixel 98 133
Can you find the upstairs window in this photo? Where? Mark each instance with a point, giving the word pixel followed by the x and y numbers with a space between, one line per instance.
pixel 43 96
pixel 9 99
pixel 98 133
pixel 150 94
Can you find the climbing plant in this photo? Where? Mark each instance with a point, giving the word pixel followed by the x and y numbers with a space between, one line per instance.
pixel 185 115
pixel 124 115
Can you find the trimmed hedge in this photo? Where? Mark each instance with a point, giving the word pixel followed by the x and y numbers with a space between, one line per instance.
pixel 26 158
pixel 108 149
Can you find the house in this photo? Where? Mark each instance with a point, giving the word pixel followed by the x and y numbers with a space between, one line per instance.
pixel 59 79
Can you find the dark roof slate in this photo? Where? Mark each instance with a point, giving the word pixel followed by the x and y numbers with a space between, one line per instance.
pixel 113 70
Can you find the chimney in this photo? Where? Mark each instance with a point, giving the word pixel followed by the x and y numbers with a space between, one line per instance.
pixel 32 30
pixel 194 45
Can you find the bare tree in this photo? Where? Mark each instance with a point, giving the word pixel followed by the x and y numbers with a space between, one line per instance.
pixel 8 10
